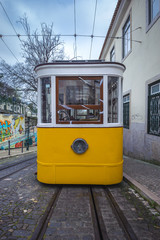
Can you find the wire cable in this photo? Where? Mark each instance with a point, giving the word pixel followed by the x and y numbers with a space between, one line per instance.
pixel 9 49
pixel 75 35
pixel 94 19
pixel 10 21
pixel 61 35
pixel 13 30
pixel 132 40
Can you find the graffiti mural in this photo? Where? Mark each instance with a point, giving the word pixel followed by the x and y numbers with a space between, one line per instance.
pixel 11 126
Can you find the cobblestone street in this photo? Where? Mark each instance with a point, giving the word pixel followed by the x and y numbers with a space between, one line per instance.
pixel 23 202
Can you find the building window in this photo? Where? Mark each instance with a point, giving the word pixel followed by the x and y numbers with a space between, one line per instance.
pixel 126 38
pixel 126 101
pixel 46 100
pixel 112 55
pixel 79 100
pixel 154 109
pixel 153 10
pixel 113 92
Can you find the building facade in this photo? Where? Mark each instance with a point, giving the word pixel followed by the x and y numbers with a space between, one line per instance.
pixel 10 107
pixel 133 39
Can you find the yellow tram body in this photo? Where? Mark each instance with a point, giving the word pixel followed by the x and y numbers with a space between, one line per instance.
pixel 101 163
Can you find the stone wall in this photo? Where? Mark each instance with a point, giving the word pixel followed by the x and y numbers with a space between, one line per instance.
pixel 138 144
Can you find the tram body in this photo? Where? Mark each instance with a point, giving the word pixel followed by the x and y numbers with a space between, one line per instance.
pixel 80 131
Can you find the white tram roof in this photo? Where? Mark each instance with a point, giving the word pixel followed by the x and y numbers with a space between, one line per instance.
pixel 82 67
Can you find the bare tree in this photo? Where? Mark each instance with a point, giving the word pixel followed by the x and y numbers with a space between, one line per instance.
pixel 37 48
pixel 40 48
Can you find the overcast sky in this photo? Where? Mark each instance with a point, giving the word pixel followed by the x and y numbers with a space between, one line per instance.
pixel 61 14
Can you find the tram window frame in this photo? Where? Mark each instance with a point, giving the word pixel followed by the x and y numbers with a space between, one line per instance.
pixel 114 117
pixel 43 109
pixel 77 106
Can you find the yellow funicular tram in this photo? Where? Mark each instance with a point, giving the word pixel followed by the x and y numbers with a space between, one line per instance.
pixel 80 133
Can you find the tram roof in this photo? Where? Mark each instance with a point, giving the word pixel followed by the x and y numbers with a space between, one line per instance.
pixel 77 62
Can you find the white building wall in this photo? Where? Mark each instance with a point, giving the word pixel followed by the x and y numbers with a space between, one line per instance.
pixel 142 66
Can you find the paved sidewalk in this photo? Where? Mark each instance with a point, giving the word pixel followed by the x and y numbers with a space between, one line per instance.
pixel 16 152
pixel 145 177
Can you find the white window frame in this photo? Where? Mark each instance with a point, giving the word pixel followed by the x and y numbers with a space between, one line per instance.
pixel 120 103
pixel 105 107
pixel 39 103
pixel 152 93
pixel 153 20
pixel 125 54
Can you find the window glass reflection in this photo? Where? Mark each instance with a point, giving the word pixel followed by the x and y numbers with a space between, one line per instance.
pixel 78 92
pixel 113 92
pixel 78 115
pixel 46 100
pixel 79 99
pixel 126 38
pixel 154 8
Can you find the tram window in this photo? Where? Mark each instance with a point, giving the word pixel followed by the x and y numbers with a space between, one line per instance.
pixel 46 100
pixel 78 99
pixel 113 93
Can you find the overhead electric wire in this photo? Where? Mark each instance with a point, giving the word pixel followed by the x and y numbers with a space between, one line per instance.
pixel 18 35
pixel 62 35
pixel 13 30
pixel 40 35
pixel 94 19
pixel 75 35
pixel 9 49
pixel 1 58
pixel 132 40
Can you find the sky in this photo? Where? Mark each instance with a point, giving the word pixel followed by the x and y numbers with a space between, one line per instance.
pixel 61 14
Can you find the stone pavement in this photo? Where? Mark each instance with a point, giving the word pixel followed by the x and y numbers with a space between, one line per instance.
pixel 144 177
pixel 16 152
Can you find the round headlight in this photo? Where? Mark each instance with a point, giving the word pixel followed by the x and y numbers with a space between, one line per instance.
pixel 79 146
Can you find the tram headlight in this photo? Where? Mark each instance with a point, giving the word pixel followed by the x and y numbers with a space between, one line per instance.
pixel 79 146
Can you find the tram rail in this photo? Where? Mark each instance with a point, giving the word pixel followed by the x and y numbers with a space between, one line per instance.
pixel 16 163
pixel 43 223
pixel 98 221
pixel 13 165
pixel 99 226
pixel 129 233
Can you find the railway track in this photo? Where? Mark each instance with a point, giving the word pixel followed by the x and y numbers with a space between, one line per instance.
pixel 94 215
pixel 16 163
pixel 10 169
pixel 43 223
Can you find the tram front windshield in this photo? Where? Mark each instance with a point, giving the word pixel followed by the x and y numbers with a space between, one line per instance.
pixel 79 99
